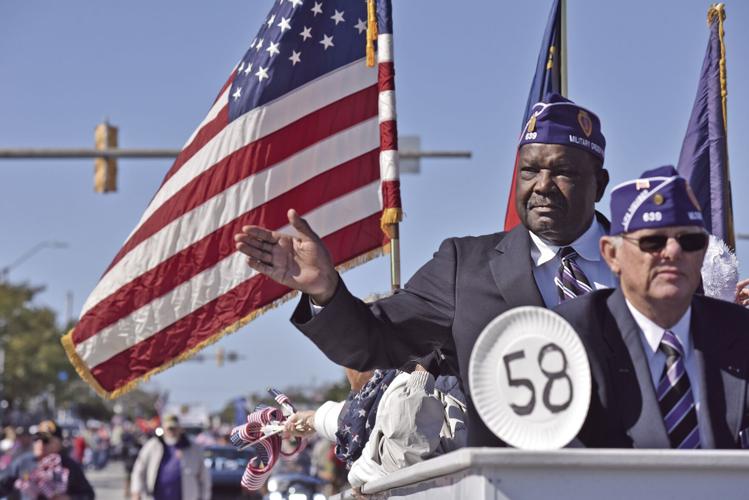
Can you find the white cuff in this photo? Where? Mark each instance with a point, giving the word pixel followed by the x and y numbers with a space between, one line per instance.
pixel 314 308
pixel 326 419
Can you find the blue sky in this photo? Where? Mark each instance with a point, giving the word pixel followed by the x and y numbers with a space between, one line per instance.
pixel 153 69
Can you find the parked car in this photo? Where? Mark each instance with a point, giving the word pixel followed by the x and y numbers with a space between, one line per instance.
pixel 293 486
pixel 227 465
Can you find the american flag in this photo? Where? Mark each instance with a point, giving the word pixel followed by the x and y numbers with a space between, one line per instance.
pixel 302 122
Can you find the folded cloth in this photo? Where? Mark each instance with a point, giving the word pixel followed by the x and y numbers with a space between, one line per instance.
pixel 358 416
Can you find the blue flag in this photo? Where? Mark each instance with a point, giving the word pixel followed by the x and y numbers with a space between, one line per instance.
pixel 548 75
pixel 704 154
pixel 547 78
pixel 240 411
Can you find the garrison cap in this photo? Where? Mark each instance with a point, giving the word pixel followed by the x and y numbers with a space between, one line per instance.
pixel 557 120
pixel 659 198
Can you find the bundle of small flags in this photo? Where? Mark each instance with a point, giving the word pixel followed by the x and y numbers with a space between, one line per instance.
pixel 49 478
pixel 263 431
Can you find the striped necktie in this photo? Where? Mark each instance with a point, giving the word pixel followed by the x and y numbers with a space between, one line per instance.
pixel 675 396
pixel 570 280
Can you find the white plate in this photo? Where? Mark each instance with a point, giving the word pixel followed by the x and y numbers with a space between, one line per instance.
pixel 510 348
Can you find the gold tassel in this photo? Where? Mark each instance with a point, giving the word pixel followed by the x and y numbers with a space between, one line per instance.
pixel 550 61
pixel 371 32
pixel 390 217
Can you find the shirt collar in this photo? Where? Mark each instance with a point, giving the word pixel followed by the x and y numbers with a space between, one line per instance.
pixel 654 333
pixel 586 245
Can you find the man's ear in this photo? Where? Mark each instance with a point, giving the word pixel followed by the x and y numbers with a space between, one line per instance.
pixel 609 253
pixel 602 180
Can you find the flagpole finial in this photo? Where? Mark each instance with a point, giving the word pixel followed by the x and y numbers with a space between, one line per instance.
pixel 716 11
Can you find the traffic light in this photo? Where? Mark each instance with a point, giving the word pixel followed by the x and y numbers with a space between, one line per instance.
pixel 105 169
pixel 220 356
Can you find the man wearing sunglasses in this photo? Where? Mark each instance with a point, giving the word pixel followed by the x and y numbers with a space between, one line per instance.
pixel 669 366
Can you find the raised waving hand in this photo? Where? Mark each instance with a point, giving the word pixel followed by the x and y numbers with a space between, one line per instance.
pixel 300 262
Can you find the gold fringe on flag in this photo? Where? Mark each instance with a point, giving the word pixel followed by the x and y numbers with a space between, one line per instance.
pixel 390 217
pixel 371 32
pixel 87 376
pixel 718 12
pixel 550 60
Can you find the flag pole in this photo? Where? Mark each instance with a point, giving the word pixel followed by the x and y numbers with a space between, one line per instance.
pixel 392 211
pixel 563 47
pixel 717 13
pixel 395 258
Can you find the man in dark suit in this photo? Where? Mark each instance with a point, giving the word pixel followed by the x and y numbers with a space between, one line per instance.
pixel 669 367
pixel 449 301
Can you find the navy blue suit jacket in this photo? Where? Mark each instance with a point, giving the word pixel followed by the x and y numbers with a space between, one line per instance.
pixel 624 410
pixel 446 304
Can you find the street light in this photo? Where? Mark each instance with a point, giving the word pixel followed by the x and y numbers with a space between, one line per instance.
pixel 5 271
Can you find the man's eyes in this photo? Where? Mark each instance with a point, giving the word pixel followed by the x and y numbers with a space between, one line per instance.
pixel 555 173
pixel 565 173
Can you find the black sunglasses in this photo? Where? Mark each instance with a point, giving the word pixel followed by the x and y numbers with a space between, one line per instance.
pixel 689 242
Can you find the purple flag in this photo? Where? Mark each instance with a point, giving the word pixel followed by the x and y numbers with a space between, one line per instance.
pixel 704 153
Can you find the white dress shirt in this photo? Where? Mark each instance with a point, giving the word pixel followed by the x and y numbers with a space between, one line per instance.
pixel 546 262
pixel 651 341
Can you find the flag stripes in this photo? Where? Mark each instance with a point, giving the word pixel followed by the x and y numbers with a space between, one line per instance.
pixel 292 148
pixel 264 120
pixel 137 361
pixel 203 254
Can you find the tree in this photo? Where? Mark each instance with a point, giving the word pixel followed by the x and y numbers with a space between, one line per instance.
pixel 35 363
pixel 338 391
pixel 36 368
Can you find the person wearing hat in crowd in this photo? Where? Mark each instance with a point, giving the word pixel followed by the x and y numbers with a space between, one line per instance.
pixel 170 467
pixel 552 256
pixel 669 366
pixel 46 472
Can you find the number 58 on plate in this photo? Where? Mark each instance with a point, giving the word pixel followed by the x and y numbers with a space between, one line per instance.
pixel 530 379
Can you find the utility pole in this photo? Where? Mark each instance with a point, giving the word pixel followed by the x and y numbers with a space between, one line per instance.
pixel 68 307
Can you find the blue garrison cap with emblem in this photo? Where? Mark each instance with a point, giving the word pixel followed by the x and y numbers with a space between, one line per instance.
pixel 659 198
pixel 557 120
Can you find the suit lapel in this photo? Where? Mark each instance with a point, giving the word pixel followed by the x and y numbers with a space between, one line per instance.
pixel 722 388
pixel 512 269
pixel 705 414
pixel 641 415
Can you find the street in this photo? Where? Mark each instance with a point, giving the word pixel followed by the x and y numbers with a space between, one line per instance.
pixel 108 483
